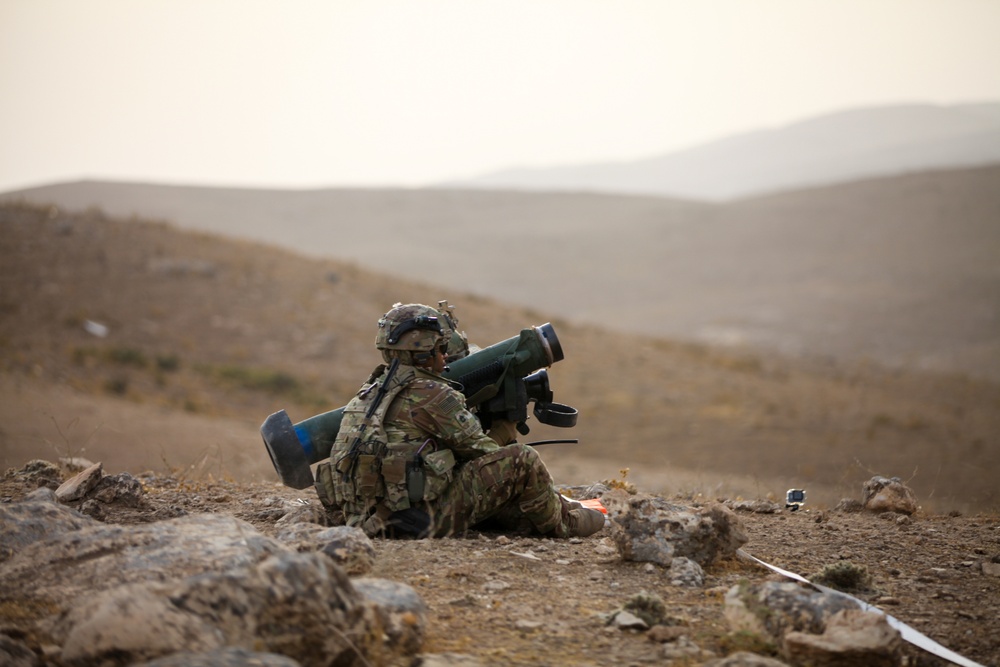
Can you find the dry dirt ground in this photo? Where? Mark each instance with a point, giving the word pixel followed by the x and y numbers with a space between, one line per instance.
pixel 511 600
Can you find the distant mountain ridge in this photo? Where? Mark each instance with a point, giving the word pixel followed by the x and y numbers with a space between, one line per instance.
pixel 834 148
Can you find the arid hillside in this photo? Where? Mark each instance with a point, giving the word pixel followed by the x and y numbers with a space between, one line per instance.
pixel 900 270
pixel 135 343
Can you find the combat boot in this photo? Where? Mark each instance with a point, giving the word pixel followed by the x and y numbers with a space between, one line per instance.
pixel 584 521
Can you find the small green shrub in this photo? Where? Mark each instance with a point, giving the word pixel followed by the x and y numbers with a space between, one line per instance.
pixel 258 379
pixel 168 362
pixel 127 356
pixel 844 576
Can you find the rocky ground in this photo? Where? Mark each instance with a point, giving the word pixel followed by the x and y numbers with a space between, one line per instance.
pixel 512 600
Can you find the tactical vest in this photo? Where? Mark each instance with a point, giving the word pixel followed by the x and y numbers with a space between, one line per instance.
pixel 385 477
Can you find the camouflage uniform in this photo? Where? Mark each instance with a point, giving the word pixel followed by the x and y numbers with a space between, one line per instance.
pixel 468 476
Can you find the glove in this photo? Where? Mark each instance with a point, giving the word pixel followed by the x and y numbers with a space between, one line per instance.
pixel 503 432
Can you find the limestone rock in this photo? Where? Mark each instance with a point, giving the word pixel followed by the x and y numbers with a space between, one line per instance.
pixel 653 530
pixel 137 621
pixel 80 484
pixel 402 612
pixel 90 556
pixel 772 608
pixel 349 547
pixel 34 518
pixel 628 621
pixel 121 489
pixel 686 572
pixel 852 638
pixel 299 605
pixel 880 494
pixel 37 473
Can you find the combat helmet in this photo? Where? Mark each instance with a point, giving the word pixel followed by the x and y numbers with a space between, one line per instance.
pixel 410 332
pixel 458 343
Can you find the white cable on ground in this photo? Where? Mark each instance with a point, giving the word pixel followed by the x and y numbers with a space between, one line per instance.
pixel 909 634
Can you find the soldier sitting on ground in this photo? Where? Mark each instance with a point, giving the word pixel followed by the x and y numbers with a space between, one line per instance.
pixel 411 458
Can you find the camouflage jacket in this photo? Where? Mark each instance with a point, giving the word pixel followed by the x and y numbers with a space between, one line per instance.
pixel 422 422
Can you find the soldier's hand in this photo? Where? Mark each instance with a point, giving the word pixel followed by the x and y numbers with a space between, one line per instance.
pixel 503 432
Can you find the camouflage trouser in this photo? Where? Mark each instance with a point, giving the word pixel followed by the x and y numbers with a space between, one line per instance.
pixel 511 486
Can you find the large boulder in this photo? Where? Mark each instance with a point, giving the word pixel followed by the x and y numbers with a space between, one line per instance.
pixel 649 529
pixel 813 627
pixel 772 608
pixel 67 563
pixel 851 638
pixel 203 584
pixel 35 518
pixel 300 605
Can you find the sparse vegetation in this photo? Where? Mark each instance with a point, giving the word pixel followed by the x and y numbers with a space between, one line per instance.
pixel 844 576
pixel 269 381
pixel 647 606
pixel 168 362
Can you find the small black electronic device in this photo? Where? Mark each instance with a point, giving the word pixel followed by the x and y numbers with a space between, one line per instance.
pixel 795 499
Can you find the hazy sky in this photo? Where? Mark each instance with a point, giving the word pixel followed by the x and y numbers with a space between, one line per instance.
pixel 299 93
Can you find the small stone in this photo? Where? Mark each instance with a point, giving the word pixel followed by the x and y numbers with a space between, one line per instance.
pixel 496 585
pixel 79 485
pixel 686 572
pixel 666 633
pixel 626 620
pixel 349 547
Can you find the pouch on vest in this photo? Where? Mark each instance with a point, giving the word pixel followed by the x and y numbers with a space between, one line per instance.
pixel 438 468
pixel 367 478
pixel 326 489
